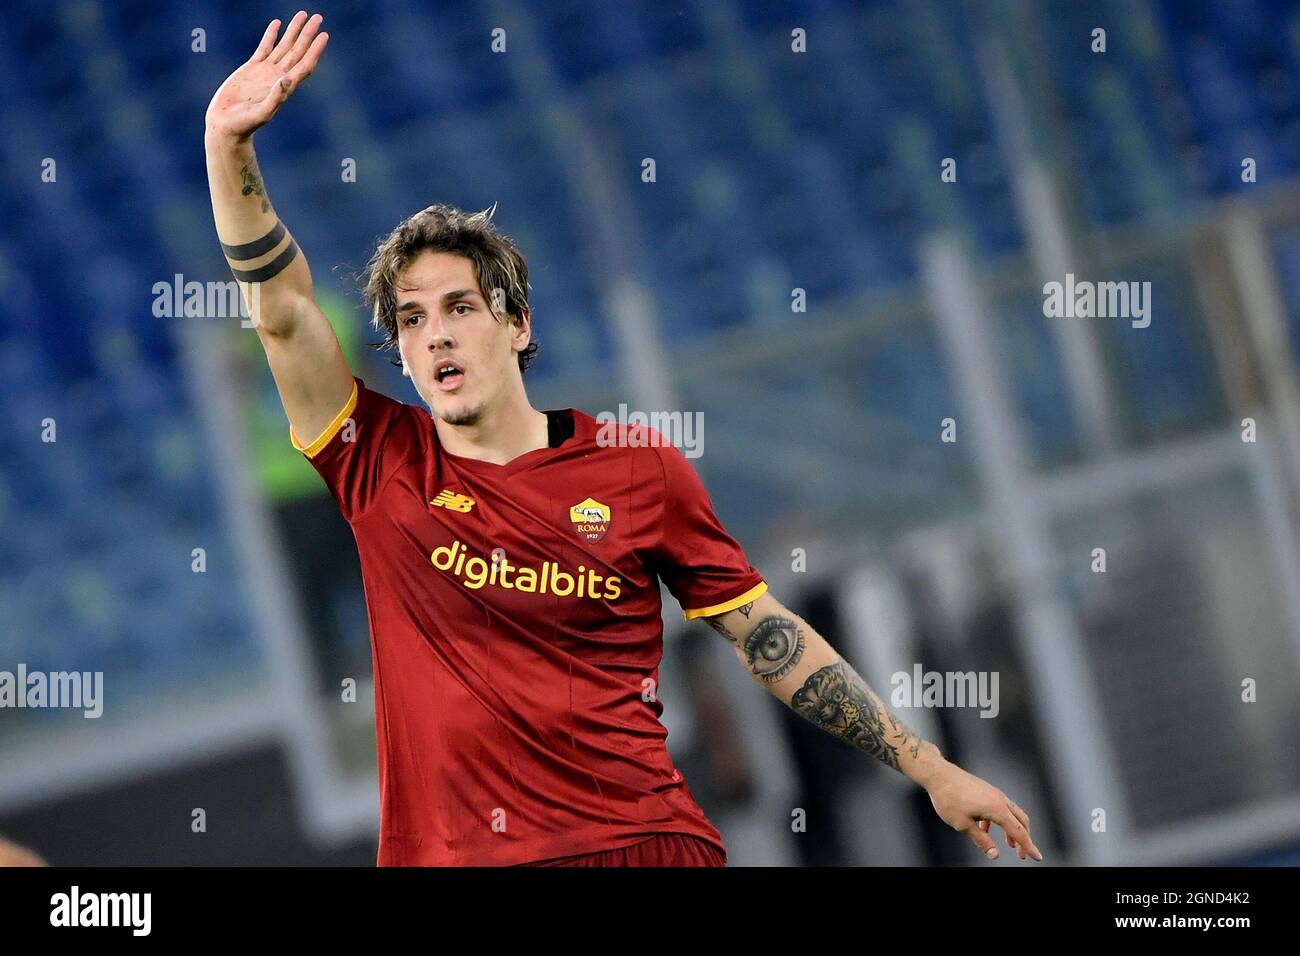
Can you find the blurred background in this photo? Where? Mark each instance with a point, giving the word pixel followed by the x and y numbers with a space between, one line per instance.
pixel 840 260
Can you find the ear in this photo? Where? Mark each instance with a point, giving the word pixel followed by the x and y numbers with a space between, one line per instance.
pixel 522 333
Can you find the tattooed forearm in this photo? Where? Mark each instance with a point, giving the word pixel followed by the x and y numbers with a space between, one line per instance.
pixel 252 177
pixel 787 656
pixel 837 700
pixel 773 648
pixel 242 255
pixel 911 738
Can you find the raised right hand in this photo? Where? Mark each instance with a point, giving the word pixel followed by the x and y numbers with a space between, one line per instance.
pixel 255 92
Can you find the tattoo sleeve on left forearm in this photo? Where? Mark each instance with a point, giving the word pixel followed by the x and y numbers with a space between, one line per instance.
pixel 837 700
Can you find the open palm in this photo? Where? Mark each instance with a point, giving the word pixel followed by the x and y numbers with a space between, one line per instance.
pixel 256 91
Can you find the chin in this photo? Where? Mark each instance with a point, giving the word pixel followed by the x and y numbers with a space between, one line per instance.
pixel 459 412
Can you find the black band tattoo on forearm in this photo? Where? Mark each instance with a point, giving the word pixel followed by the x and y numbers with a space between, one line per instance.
pixel 773 648
pixel 252 177
pixel 836 699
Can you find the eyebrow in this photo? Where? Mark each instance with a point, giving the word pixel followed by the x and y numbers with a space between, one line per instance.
pixel 447 297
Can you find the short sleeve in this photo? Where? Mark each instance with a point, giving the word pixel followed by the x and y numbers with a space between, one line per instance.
pixel 699 562
pixel 354 454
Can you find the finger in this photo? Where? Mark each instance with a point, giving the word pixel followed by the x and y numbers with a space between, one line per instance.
pixel 290 35
pixel 275 97
pixel 1011 843
pixel 268 41
pixel 1024 822
pixel 302 43
pixel 980 837
pixel 307 65
pixel 1004 818
pixel 983 823
pixel 1007 820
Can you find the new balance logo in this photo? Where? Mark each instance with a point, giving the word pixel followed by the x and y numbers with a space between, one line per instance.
pixel 453 502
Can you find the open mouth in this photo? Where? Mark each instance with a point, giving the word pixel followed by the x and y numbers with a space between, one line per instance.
pixel 449 376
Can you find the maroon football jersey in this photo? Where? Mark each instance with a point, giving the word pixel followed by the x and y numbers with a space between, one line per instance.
pixel 516 631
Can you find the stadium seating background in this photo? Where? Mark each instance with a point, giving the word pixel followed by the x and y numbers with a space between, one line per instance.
pixel 773 171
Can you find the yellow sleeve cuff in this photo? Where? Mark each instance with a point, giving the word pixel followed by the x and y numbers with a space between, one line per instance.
pixel 750 595
pixel 332 429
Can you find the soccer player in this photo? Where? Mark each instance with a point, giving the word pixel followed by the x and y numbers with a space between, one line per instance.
pixel 512 557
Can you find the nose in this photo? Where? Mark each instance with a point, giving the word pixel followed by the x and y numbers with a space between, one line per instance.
pixel 439 339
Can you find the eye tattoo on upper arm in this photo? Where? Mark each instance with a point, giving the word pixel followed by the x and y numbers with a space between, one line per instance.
pixel 773 648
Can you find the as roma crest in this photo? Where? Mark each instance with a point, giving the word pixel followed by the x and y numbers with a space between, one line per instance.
pixel 590 519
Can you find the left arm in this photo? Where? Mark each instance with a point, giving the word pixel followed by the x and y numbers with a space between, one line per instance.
pixel 797 666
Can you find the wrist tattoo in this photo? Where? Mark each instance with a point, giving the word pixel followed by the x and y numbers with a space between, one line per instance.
pixel 910 737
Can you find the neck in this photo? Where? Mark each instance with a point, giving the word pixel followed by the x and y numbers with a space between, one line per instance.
pixel 502 434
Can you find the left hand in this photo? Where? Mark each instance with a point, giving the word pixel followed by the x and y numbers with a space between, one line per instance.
pixel 970 805
pixel 11 854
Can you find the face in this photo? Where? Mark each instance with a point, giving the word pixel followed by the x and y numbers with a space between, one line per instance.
pixel 443 317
